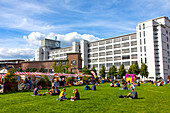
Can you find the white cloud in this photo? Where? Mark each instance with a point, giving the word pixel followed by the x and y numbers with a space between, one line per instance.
pixel 16 53
pixel 66 40
pixel 34 38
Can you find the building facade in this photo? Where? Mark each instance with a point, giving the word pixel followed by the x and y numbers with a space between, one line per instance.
pixel 150 45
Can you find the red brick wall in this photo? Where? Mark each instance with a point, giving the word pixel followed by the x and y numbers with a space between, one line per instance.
pixel 77 57
pixel 38 65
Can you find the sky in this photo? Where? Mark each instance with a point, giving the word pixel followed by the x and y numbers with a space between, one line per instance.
pixel 23 23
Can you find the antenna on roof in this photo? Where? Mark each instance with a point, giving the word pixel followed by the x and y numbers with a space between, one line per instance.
pixel 55 37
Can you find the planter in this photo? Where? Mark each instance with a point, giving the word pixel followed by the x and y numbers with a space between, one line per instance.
pixel 10 87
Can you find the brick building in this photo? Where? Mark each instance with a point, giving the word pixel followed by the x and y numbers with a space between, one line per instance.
pixel 74 60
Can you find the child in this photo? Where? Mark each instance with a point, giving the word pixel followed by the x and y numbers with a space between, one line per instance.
pixel 54 91
pixel 111 84
pixel 77 95
pixel 62 95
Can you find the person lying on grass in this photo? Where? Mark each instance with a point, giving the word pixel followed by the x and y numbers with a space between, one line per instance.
pixel 62 95
pixel 134 94
pixel 76 95
pixel 36 92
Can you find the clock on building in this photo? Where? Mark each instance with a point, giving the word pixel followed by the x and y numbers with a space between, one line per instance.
pixel 57 44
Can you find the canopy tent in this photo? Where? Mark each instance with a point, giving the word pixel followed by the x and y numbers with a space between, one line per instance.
pixel 71 75
pixel 3 71
pixel 48 74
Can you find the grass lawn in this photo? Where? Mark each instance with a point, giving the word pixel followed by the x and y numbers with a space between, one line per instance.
pixel 104 99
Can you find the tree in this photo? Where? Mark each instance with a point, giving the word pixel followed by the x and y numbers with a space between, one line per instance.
pixel 67 67
pixel 58 69
pixel 10 76
pixel 112 71
pixel 102 71
pixel 94 70
pixel 122 71
pixel 144 70
pixel 42 70
pixel 85 70
pixel 20 69
pixel 130 71
pixel 136 68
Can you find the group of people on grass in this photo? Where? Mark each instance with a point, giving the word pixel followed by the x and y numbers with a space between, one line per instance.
pixel 55 91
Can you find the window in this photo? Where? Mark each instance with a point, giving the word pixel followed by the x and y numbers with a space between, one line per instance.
pixel 108 41
pixel 109 59
pixel 133 49
pixel 95 55
pixel 50 70
pixel 134 43
pixel 108 47
pixel 117 46
pixel 101 59
pixel 125 44
pixel 117 40
pixel 141 60
pixel 134 56
pixel 140 41
pixel 139 34
pixel 102 43
pixel 168 53
pixel 117 58
pixel 125 51
pixel 109 64
pixel 144 41
pixel 144 48
pixel 117 52
pixel 125 38
pixel 139 27
pixel 57 63
pixel 109 53
pixel 100 65
pixel 167 46
pixel 102 54
pixel 143 33
pixel 64 63
pixel 101 48
pixel 117 64
pixel 145 60
pixel 94 60
pixel 125 57
pixel 167 39
pixel 95 49
pixel 143 26
pixel 167 32
pixel 73 62
pixel 140 49
pixel 95 65
pixel 126 63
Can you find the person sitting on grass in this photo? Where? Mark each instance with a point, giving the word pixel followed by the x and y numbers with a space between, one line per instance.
pixel 125 86
pixel 132 86
pixel 48 90
pixel 134 95
pixel 54 91
pixel 111 84
pixel 117 84
pixel 93 87
pixel 62 95
pixel 76 95
pixel 87 87
pixel 36 92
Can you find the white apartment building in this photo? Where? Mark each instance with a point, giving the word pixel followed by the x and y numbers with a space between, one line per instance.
pixel 150 44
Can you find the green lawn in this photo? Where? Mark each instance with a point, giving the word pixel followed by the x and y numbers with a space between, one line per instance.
pixel 104 99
